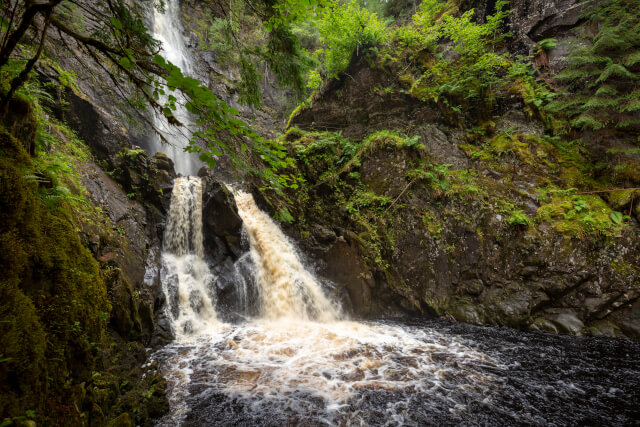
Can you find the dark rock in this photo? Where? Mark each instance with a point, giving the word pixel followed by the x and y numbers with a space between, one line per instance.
pixel 631 324
pixel 533 20
pixel 566 321
pixel 343 265
pixel 222 224
pixel 95 126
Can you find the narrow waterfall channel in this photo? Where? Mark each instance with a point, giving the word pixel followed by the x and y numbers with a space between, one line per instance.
pixel 185 276
pixel 167 28
pixel 298 362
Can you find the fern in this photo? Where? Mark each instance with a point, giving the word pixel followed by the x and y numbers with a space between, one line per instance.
pixel 615 70
pixel 631 106
pixel 631 59
pixel 599 102
pixel 611 39
pixel 588 122
pixel 602 73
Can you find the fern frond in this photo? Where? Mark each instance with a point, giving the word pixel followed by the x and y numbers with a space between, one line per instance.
pixel 630 107
pixel 614 70
pixel 587 122
pixel 631 59
pixel 571 74
pixel 628 123
pixel 588 58
pixel 600 102
pixel 606 90
pixel 611 39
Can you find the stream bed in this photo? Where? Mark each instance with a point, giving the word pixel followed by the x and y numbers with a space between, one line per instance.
pixel 421 372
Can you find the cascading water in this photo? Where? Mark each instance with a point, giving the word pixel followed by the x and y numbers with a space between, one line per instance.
pixel 185 276
pixel 297 363
pixel 167 28
pixel 288 290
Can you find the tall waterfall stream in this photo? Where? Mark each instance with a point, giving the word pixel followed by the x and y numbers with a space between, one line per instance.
pixel 296 359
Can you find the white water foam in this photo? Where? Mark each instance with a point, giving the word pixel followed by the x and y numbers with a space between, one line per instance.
pixel 298 357
pixel 186 279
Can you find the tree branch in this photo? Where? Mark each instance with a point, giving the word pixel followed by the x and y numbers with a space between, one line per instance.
pixel 21 78
pixel 27 17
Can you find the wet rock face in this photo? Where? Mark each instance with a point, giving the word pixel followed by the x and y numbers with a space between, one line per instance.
pixel 96 127
pixel 124 252
pixel 342 105
pixel 223 244
pixel 222 224
pixel 533 20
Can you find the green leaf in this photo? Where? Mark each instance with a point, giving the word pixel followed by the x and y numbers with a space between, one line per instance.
pixel 616 217
pixel 126 63
pixel 243 147
pixel 116 23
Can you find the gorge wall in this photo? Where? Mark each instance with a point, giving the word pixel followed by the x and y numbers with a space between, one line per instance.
pixel 421 213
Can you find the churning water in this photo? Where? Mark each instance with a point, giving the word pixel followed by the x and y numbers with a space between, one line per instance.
pixel 186 279
pixel 300 362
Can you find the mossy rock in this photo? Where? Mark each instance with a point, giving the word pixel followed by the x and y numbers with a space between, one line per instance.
pixel 54 303
pixel 467 313
pixel 618 200
pixel 604 328
pixel 124 420
pixel 578 216
pixel 543 325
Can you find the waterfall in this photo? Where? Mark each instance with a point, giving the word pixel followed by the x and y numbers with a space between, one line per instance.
pixel 288 290
pixel 186 278
pixel 167 28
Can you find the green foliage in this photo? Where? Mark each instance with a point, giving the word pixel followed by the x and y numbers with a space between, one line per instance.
pixel 518 217
pixel 367 199
pixel 546 45
pixel 346 29
pixel 51 289
pixel 602 73
pixel 580 216
pixel 467 70
pixel 241 40
pixel 616 217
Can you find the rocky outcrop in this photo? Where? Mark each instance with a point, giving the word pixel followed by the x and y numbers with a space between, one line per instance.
pixel 533 20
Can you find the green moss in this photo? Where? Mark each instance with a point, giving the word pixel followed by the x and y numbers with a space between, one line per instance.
pixel 52 292
pixel 579 216
pixel 433 225
pixel 627 173
pixel 624 268
pixel 619 200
